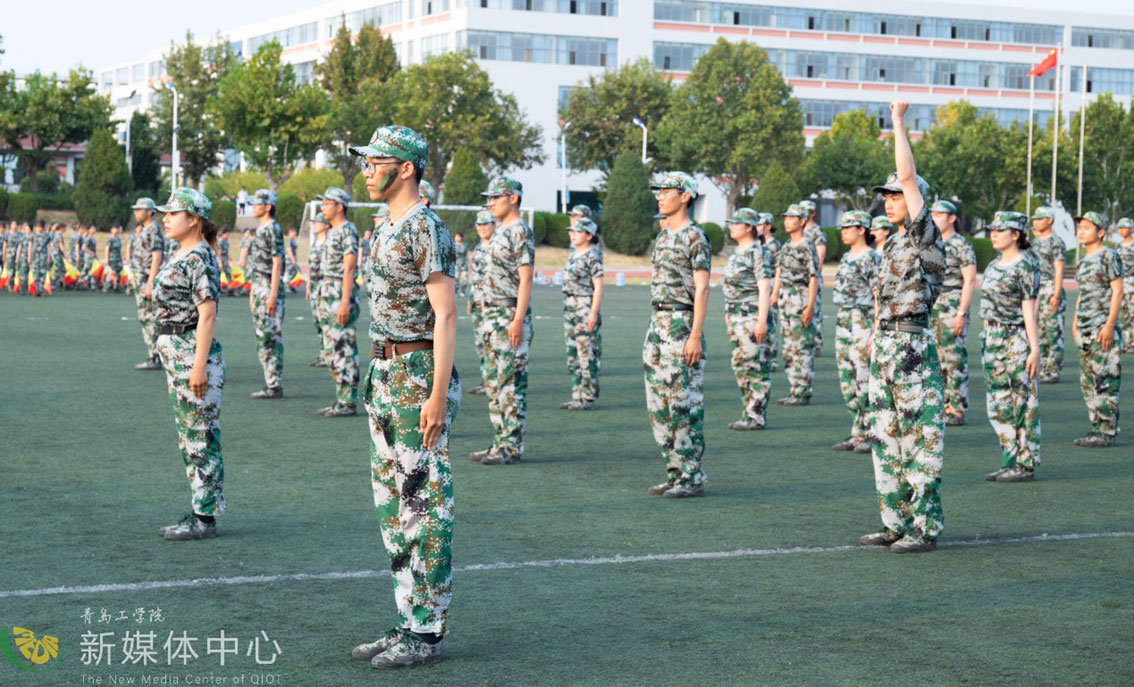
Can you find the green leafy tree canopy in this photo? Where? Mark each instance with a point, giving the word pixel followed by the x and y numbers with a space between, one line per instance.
pixel 628 212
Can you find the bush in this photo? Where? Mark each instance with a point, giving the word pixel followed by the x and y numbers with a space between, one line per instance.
pixel 776 192
pixel 463 221
pixel 55 201
pixel 985 253
pixel 629 207
pixel 465 181
pixel 358 188
pixel 224 213
pixel 835 247
pixel 361 218
pixel 715 234
pixel 289 211
pixel 3 202
pixel 312 182
pixel 104 181
pixel 46 183
pixel 229 184
pixel 539 227
pixel 557 224
pixel 22 207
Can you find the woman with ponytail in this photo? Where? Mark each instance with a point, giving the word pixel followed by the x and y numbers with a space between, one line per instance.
pixel 185 294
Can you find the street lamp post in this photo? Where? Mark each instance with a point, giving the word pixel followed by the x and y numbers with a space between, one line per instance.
pixel 645 137
pixel 563 163
pixel 175 167
pixel 129 160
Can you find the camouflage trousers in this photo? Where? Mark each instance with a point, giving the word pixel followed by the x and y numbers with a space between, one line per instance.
pixel 751 361
pixel 269 331
pixel 1126 310
pixel 853 327
pixel 1100 378
pixel 1051 330
pixel 340 347
pixel 86 281
pixel 22 274
pixel 413 487
pixel 315 300
pixel 798 340
pixel 58 270
pixel 290 272
pixel 952 351
pixel 462 280
pixel 1013 404
pixel 479 341
pixel 675 398
pixel 198 419
pixel 112 284
pixel 37 272
pixel 583 348
pixel 506 381
pixel 146 318
pixel 818 341
pixel 774 337
pixel 908 435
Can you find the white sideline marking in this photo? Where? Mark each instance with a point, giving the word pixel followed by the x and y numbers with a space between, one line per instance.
pixel 552 563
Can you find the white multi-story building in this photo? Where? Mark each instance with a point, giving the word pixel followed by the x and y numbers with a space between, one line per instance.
pixel 835 58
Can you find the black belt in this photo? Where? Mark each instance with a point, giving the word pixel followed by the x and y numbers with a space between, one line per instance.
pixel 950 289
pixel 262 274
pixel 577 295
pixel 911 326
pixel 1005 325
pixel 387 351
pixel 670 306
pixel 506 303
pixel 176 328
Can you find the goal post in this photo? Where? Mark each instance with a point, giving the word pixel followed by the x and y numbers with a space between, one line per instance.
pixel 313 207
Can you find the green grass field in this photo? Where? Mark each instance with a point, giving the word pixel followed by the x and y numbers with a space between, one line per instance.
pixel 89 469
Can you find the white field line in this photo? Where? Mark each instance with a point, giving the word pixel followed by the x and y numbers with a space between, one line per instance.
pixel 552 563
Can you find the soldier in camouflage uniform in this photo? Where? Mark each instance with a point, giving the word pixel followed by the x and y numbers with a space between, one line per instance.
pixel 582 323
pixel 506 323
pixel 906 397
pixel 7 252
pixel 412 392
pixel 185 293
pixel 881 229
pixel 1096 330
pixel 796 294
pixel 950 315
pixel 766 230
pixel 37 259
pixel 462 251
pixel 313 292
pixel 577 213
pixel 1010 348
pixel 815 234
pixel 23 248
pixel 58 269
pixel 339 257
pixel 266 267
pixel 113 259
pixel 674 352
pixel 428 195
pixel 485 226
pixel 746 285
pixel 1050 253
pixel 854 324
pixel 88 248
pixel 1125 252
pixel 147 257
pixel 292 255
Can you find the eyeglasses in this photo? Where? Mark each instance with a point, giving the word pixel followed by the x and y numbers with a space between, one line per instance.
pixel 368 167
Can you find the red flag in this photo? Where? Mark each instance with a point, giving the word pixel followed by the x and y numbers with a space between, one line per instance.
pixel 1047 63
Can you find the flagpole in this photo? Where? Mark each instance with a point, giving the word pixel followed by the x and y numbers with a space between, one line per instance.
pixel 1031 108
pixel 1082 132
pixel 1055 128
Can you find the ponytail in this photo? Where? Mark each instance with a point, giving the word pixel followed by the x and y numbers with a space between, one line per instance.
pixel 209 233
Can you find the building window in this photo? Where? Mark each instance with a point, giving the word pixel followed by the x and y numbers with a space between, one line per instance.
pixel 543 48
pixel 107 79
pixel 296 35
pixel 122 76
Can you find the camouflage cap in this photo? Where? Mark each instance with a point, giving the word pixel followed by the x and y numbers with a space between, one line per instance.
pixel 745 216
pixel 1009 220
pixel 892 185
pixel 1096 218
pixel 337 195
pixel 580 210
pixel 881 222
pixel 807 205
pixel 189 200
pixel 795 211
pixel 485 217
pixel 678 180
pixel 1044 212
pixel 1124 223
pixel 382 211
pixel 264 197
pixel 425 190
pixel 399 142
pixel 766 218
pixel 586 225
pixel 319 218
pixel 943 206
pixel 855 218
pixel 502 186
pixel 144 203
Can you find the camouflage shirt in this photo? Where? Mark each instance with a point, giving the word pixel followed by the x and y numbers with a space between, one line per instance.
pixel 580 272
pixel 150 241
pixel 958 253
pixel 1048 251
pixel 1095 273
pixel 678 253
pixel 223 245
pixel 913 265
pixel 510 248
pixel 246 244
pixel 39 246
pixel 740 280
pixel 815 235
pixel 267 243
pixel 1126 257
pixel 293 249
pixel 73 240
pixel 1004 287
pixel 402 256
pixel 854 282
pixel 461 250
pixel 773 246
pixel 338 243
pixel 798 262
pixel 477 257
pixel 172 247
pixel 184 283
pixel 16 250
pixel 114 249
pixel 315 260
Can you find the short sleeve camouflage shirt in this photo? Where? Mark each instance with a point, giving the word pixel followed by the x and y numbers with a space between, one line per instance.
pixel 678 253
pixel 1126 257
pixel 815 235
pixel 1049 250
pixel 798 262
pixel 1004 287
pixel 854 282
pixel 958 253
pixel 184 283
pixel 580 272
pixel 340 242
pixel 462 252
pixel 150 241
pixel 510 248
pixel 913 266
pixel 740 280
pixel 114 248
pixel 1095 273
pixel 315 258
pixel 402 256
pixel 267 243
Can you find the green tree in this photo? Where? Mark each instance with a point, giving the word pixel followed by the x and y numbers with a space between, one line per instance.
pixel 270 117
pixel 143 153
pixel 104 182
pixel 628 212
pixel 450 100
pixel 731 118
pixel 354 74
pixel 601 112
pixel 848 159
pixel 776 192
pixel 312 182
pixel 196 72
pixel 41 112
pixel 1108 157
pixel 230 183
pixel 465 181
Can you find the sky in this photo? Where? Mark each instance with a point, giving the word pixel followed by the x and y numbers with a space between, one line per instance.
pixel 56 35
